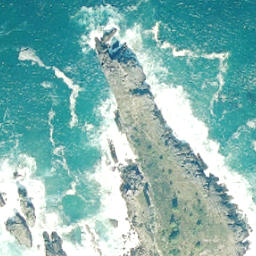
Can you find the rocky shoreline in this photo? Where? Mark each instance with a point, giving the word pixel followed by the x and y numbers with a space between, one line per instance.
pixel 22 222
pixel 174 207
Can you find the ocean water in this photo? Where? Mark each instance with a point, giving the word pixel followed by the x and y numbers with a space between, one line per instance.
pixel 57 112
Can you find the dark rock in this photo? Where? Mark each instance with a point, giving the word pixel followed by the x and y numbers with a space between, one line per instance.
pixel 49 251
pixel 146 193
pixel 108 35
pixel 138 251
pixel 100 47
pixel 18 227
pixel 2 201
pixel 22 192
pixel 132 179
pixel 201 162
pixel 117 120
pixel 53 245
pixel 27 206
pixel 114 222
pixel 141 91
pixel 112 151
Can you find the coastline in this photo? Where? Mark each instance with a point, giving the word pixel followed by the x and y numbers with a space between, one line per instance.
pixel 156 149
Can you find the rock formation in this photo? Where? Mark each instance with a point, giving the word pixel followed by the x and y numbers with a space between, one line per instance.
pixel 53 245
pixel 174 207
pixel 18 227
pixel 27 207
pixel 2 201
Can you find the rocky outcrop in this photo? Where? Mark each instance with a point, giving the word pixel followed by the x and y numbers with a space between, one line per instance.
pixel 27 206
pixel 114 222
pixel 2 200
pixel 184 211
pixel 53 245
pixel 112 151
pixel 108 35
pixel 18 227
pixel 132 179
pixel 117 120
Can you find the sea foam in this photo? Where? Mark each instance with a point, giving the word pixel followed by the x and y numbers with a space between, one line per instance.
pixel 28 54
pixel 121 238
pixel 222 58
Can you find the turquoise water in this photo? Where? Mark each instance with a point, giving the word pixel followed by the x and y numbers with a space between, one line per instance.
pixel 201 52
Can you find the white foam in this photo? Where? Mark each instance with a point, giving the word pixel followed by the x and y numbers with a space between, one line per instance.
pixel 107 175
pixel 254 145
pixel 60 153
pixel 154 31
pixel 88 127
pixel 119 239
pixel 25 168
pixel 95 20
pixel 28 54
pixel 221 57
pixel 251 124
pixel 110 130
pixel 45 220
pixel 51 115
pixel 46 85
pixel 177 111
pixel 73 96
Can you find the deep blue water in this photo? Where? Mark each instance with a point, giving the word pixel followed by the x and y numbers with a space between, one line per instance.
pixel 58 33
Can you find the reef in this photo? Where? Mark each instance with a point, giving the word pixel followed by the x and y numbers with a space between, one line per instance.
pixel 175 208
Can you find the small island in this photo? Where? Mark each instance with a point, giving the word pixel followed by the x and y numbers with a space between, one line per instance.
pixel 173 206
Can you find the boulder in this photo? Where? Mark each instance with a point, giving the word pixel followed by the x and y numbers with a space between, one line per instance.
pixel 112 150
pixel 53 245
pixel 2 201
pixel 27 206
pixel 114 222
pixel 18 227
pixel 108 35
pixel 132 179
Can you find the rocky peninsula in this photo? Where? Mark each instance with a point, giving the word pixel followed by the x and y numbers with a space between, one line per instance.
pixel 174 207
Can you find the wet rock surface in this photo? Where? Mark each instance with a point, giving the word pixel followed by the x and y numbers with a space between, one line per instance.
pixel 53 244
pixel 132 179
pixel 27 206
pixel 2 200
pixel 112 151
pixel 114 222
pixel 18 227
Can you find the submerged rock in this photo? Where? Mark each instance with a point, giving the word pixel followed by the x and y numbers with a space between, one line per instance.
pixel 18 227
pixel 53 245
pixel 27 206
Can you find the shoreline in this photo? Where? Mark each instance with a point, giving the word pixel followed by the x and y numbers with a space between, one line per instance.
pixel 118 60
